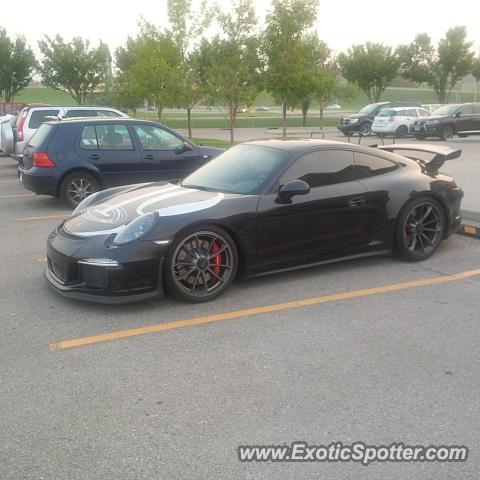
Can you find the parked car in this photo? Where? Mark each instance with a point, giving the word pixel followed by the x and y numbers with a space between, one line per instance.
pixel 259 207
pixel 333 106
pixel 396 121
pixel 449 120
pixel 74 158
pixel 32 116
pixel 361 122
pixel 262 108
pixel 10 119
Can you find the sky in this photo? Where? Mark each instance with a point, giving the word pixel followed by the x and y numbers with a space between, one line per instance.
pixel 340 23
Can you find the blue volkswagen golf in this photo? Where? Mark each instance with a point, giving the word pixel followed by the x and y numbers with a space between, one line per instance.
pixel 71 159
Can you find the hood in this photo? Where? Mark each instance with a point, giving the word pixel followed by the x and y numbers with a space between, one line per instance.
pixel 430 117
pixel 356 115
pixel 112 214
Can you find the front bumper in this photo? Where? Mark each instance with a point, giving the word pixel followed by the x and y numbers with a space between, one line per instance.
pixel 135 275
pixel 350 128
pixel 427 130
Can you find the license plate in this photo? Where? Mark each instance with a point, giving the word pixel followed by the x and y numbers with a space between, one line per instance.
pixel 417 129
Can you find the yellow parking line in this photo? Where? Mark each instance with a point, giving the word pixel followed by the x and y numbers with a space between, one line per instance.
pixel 42 260
pixel 160 327
pixel 44 217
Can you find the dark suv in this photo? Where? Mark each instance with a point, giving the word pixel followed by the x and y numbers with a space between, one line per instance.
pixel 449 120
pixel 72 159
pixel 361 122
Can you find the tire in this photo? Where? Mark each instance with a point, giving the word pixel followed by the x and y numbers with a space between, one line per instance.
pixel 420 137
pixel 447 132
pixel 420 229
pixel 365 129
pixel 402 131
pixel 201 264
pixel 81 183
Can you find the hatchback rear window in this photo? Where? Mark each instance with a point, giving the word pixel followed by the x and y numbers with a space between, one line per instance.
pixel 38 117
pixel 41 135
pixel 80 113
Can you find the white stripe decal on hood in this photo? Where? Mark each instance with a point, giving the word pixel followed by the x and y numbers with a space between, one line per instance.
pixel 190 207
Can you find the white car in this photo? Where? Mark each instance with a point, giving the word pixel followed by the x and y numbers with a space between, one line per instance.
pixel 14 138
pixel 334 106
pixel 396 121
pixel 8 118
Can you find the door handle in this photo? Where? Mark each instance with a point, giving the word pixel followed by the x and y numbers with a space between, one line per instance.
pixel 356 202
pixel 148 157
pixel 94 156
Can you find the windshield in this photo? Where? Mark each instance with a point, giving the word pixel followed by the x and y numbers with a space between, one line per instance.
pixel 369 108
pixel 243 169
pixel 446 110
pixel 387 113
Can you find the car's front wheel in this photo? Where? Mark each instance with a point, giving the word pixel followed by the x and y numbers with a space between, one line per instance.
pixel 201 264
pixel 76 187
pixel 447 132
pixel 420 229
pixel 366 129
pixel 402 131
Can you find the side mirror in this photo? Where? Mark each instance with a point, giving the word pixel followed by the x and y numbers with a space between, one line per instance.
pixel 458 114
pixel 183 147
pixel 291 189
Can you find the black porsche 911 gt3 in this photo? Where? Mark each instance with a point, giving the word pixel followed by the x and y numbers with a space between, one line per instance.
pixel 259 207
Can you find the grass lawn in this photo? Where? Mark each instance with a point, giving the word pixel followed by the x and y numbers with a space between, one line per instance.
pixel 211 142
pixel 44 95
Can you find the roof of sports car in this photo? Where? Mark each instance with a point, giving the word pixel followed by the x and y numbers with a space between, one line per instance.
pixel 299 145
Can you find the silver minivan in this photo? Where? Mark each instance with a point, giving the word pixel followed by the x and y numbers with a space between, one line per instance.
pixel 15 138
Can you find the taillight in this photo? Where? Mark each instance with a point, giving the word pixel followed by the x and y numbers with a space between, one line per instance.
pixel 41 159
pixel 20 127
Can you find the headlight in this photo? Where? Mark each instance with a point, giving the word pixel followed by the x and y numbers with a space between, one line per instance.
pixel 136 229
pixel 353 120
pixel 85 203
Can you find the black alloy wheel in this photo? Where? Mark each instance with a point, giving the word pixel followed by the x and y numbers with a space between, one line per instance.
pixel 201 265
pixel 420 229
pixel 76 187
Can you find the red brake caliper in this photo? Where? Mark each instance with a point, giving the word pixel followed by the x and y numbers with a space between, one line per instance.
pixel 217 259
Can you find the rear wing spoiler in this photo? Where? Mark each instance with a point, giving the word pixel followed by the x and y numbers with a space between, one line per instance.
pixel 440 153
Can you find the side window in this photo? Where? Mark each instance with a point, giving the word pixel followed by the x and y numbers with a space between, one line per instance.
pixel 107 113
pixel 156 138
pixel 369 165
pixel 401 113
pixel 423 113
pixel 466 110
pixel 113 137
pixel 80 113
pixel 412 112
pixel 88 140
pixel 476 108
pixel 325 167
pixel 38 117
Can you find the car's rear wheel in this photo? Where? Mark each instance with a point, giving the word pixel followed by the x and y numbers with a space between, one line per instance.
pixel 366 129
pixel 201 265
pixel 447 132
pixel 402 131
pixel 76 187
pixel 420 229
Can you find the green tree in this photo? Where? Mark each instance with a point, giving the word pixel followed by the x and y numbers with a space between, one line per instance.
pixel 230 66
pixel 154 66
pixel 72 67
pixel 128 90
pixel 440 67
pixel 186 28
pixel 17 63
pixel 371 66
pixel 288 66
pixel 476 74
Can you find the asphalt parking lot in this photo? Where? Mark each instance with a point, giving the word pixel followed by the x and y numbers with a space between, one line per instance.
pixel 379 351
